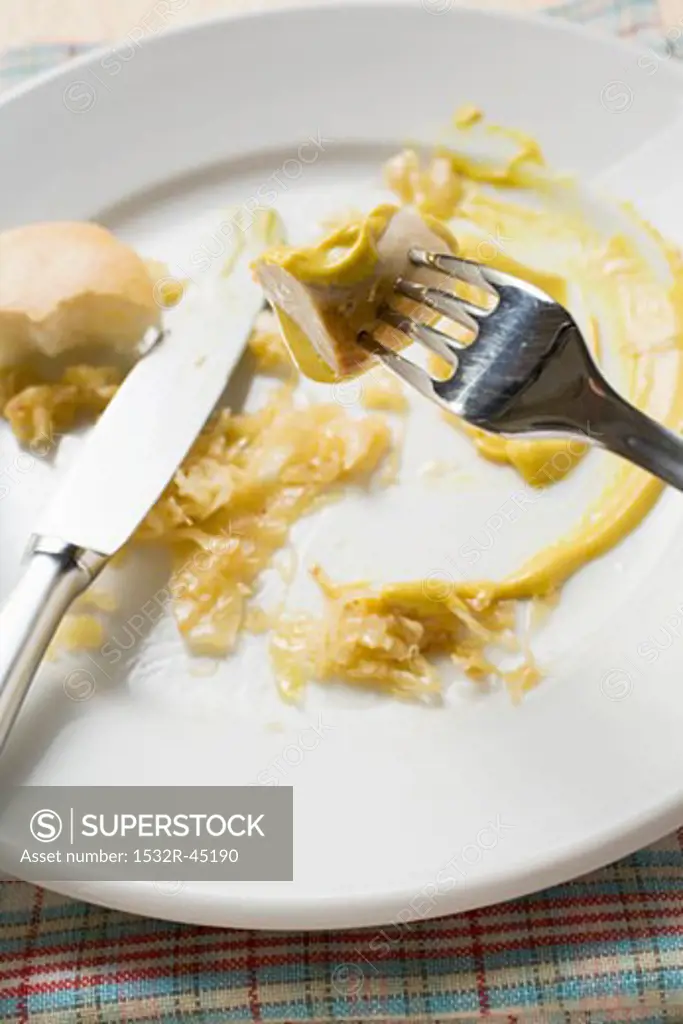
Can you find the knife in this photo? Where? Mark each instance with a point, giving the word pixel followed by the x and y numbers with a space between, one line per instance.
pixel 122 468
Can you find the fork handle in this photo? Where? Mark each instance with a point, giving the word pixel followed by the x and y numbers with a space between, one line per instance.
pixel 626 431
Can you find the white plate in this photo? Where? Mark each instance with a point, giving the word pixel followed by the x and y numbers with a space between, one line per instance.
pixel 590 766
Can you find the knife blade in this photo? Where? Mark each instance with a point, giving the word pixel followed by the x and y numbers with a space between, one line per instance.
pixel 152 421
pixel 122 468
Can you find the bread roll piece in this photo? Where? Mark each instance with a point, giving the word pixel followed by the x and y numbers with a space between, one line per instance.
pixel 68 285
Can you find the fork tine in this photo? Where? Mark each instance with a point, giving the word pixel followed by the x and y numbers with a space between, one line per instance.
pixel 454 266
pixel 425 335
pixel 413 375
pixel 442 302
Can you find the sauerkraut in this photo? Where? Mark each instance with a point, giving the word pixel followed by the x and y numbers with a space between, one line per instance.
pixel 232 503
pixel 39 411
pixel 251 475
pixel 388 638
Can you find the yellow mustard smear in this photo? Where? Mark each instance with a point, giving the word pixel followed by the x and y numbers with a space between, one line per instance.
pixel 621 507
pixel 250 476
pixel 408 622
pixel 467 115
pixel 632 493
pixel 346 257
pixel 346 282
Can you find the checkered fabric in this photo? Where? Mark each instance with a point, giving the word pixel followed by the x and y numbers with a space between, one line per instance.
pixel 605 948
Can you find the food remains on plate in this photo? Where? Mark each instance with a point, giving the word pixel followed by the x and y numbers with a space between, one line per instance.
pixel 251 475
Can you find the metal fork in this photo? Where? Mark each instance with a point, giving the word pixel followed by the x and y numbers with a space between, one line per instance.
pixel 528 369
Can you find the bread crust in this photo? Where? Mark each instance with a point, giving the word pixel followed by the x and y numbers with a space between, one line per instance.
pixel 64 285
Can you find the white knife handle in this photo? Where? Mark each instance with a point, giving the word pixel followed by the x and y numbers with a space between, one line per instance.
pixel 55 574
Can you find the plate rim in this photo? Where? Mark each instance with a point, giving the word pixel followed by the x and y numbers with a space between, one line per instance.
pixel 363 909
pixel 375 910
pixel 553 22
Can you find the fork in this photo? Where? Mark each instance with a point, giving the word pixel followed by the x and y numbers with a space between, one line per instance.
pixel 527 370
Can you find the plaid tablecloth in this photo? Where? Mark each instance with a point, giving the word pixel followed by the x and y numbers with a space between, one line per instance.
pixel 608 947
